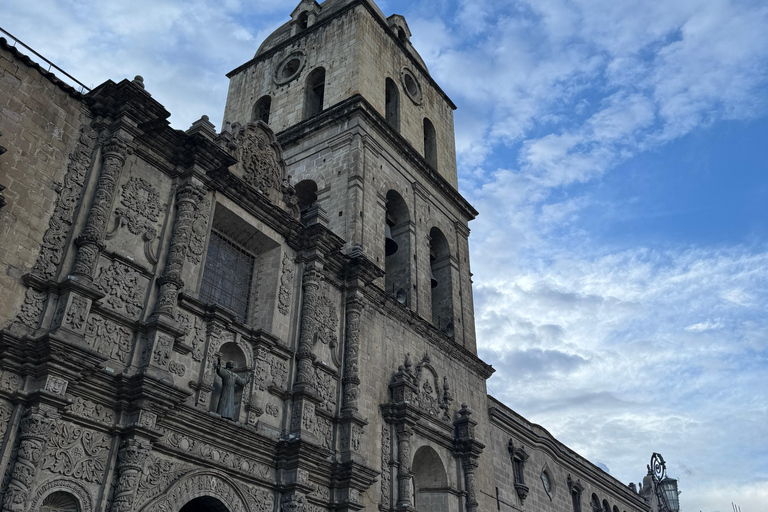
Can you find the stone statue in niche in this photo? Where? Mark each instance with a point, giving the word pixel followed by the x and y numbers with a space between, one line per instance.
pixel 229 381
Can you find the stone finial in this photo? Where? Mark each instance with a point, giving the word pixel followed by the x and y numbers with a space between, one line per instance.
pixel 204 127
pixel 139 80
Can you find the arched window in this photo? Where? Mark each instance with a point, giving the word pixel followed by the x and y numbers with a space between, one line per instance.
pixel 261 109
pixel 392 104
pixel 430 143
pixel 431 490
pixel 397 248
pixel 306 193
pixel 606 506
pixel 442 289
pixel 204 504
pixel 595 503
pixel 401 35
pixel 303 21
pixel 315 94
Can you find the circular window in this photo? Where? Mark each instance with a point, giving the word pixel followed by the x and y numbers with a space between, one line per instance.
pixel 289 68
pixel 411 85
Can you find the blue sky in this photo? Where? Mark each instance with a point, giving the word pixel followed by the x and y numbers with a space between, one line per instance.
pixel 617 154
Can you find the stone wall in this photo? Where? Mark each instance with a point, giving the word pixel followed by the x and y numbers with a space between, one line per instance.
pixel 40 123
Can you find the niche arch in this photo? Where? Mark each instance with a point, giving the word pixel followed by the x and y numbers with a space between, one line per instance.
pixel 262 109
pixel 392 103
pixel 430 481
pixel 204 483
pixel 397 265
pixel 237 353
pixel 62 492
pixel 430 143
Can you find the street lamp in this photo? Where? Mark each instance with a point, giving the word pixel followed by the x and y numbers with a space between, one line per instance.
pixel 669 488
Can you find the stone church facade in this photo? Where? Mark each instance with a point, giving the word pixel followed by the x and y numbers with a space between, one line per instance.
pixel 274 317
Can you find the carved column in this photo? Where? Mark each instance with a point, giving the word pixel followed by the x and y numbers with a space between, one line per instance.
pixel 91 242
pixel 130 463
pixel 468 450
pixel 351 379
pixel 35 429
pixel 305 355
pixel 404 434
pixel 188 199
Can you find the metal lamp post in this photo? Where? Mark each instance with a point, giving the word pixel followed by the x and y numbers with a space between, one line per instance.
pixel 665 487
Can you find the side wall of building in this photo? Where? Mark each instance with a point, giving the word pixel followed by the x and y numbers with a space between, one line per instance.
pixel 40 124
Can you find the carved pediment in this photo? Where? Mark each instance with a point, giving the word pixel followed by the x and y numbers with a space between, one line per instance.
pixel 260 162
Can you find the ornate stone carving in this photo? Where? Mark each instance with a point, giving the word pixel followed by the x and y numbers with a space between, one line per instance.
pixel 69 197
pixel 198 340
pixel 351 380
pixel 6 411
pixel 124 287
pixel 325 387
pixel 76 314
pixel 202 484
pixel 77 452
pixel 141 206
pixel 162 353
pixel 326 320
pixel 87 409
pixel 90 242
pixel 188 199
pixel 157 475
pixel 404 434
pixel 286 285
pixel 199 232
pixel 10 381
pixel 34 430
pixel 177 368
pixel 324 431
pixel 279 371
pixel 108 338
pixel 130 461
pixel 260 500
pixel 210 453
pixel 34 301
pixel 56 385
pixel 386 476
pixel 307 337
pixel 259 158
pixel 272 409
pixel 81 493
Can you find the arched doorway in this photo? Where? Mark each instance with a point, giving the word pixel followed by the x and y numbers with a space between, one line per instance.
pixel 429 481
pixel 204 504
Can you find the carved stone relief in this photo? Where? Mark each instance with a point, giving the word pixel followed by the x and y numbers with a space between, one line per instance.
pixel 326 320
pixel 6 411
pixel 69 197
pixel 157 475
pixel 76 314
pixel 141 207
pixel 210 453
pixel 77 452
pixel 196 245
pixel 10 381
pixel 259 158
pixel 386 478
pixel 81 494
pixel 34 430
pixel 202 484
pixel 87 409
pixel 272 409
pixel 286 285
pixel 259 499
pixel 34 301
pixel 124 287
pixel 56 385
pixel 325 386
pixel 108 338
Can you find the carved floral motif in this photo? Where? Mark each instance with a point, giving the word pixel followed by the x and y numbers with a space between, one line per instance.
pixel 199 232
pixel 124 287
pixel 32 307
pixel 325 387
pixel 76 314
pixel 258 157
pixel 191 487
pixel 286 285
pixel 108 338
pixel 157 475
pixel 386 485
pixel 87 409
pixel 141 206
pixel 77 452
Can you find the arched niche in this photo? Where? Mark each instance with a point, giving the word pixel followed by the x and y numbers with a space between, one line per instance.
pixel 262 109
pixel 230 352
pixel 60 501
pixel 315 93
pixel 61 496
pixel 204 504
pixel 430 143
pixel 306 193
pixel 440 281
pixel 430 482
pixel 397 265
pixel 606 506
pixel 392 104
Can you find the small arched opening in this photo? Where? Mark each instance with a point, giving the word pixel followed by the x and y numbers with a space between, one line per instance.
pixel 306 193
pixel 430 482
pixel 440 278
pixel 594 503
pixel 204 504
pixel 303 21
pixel 397 248
pixel 401 35
pixel 60 501
pixel 261 109
pixel 392 94
pixel 315 93
pixel 229 352
pixel 606 506
pixel 430 143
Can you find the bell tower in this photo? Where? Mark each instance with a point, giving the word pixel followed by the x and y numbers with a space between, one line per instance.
pixel 367 136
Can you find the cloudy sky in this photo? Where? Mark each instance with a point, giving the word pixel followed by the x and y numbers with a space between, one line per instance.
pixel 616 151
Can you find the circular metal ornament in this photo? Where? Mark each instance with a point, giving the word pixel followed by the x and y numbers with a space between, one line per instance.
pixel 658 467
